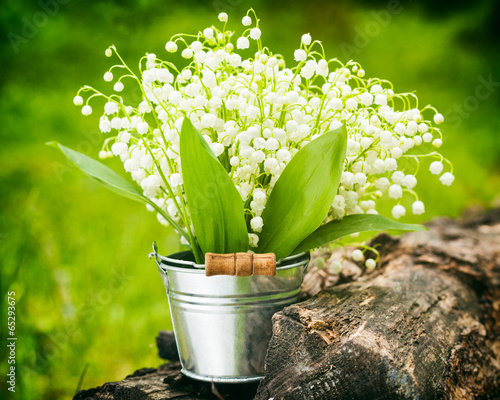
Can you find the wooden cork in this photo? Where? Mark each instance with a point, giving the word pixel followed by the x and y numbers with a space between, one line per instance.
pixel 244 265
pixel 219 264
pixel 240 264
pixel 264 264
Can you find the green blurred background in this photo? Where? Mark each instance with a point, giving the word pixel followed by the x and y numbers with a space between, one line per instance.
pixel 75 254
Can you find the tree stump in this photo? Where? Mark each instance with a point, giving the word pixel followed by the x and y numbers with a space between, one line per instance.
pixel 424 325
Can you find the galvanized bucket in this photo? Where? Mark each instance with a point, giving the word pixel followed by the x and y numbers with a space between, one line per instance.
pixel 222 323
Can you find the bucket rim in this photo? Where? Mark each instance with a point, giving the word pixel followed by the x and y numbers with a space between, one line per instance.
pixel 221 379
pixel 193 267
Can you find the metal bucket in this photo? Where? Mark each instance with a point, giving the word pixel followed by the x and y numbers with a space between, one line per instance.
pixel 222 323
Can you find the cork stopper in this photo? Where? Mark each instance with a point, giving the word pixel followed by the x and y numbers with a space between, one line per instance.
pixel 240 264
pixel 219 264
pixel 243 264
pixel 264 264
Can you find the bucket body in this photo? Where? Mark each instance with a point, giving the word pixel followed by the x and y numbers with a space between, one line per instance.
pixel 222 323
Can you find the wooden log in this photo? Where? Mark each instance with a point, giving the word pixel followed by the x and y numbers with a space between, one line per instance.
pixel 167 346
pixel 426 325
pixel 166 382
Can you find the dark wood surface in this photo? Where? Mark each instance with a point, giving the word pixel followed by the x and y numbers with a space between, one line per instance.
pixel 424 325
pixel 165 382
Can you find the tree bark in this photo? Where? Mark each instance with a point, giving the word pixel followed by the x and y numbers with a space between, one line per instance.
pixel 424 325
pixel 166 382
pixel 167 347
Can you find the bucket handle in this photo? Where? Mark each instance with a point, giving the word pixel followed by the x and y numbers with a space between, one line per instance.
pixel 240 264
pixel 155 255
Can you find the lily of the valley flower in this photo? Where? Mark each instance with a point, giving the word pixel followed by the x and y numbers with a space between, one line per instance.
pixel 256 113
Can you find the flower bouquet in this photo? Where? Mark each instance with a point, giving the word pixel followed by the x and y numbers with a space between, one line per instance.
pixel 254 163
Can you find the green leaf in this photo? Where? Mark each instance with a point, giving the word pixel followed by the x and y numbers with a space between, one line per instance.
pixel 101 173
pixel 303 194
pixel 109 178
pixel 352 224
pixel 215 206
